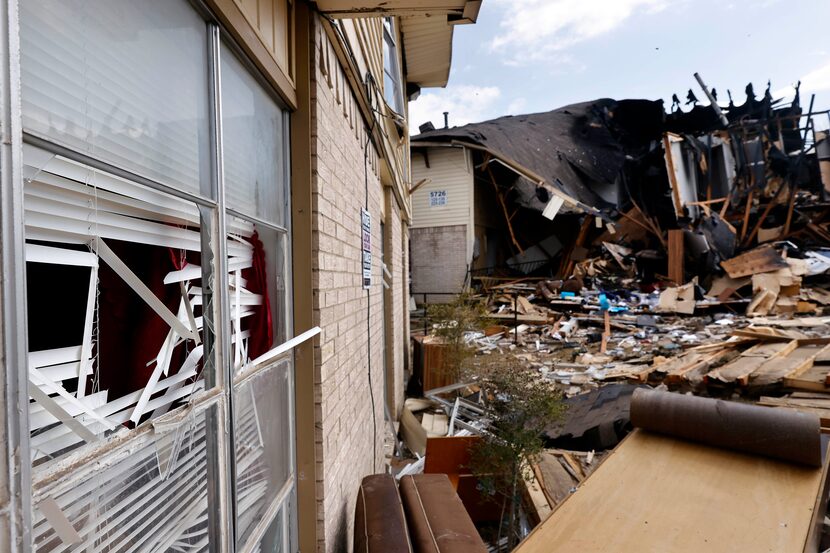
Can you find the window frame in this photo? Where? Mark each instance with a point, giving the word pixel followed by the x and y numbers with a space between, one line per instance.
pixel 392 67
pixel 220 380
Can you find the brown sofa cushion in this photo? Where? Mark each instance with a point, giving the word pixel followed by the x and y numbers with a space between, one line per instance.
pixel 379 523
pixel 437 520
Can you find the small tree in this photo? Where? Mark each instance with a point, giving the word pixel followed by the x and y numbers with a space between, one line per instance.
pixel 451 322
pixel 520 404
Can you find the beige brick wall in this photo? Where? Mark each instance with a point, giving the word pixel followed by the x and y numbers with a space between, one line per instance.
pixel 439 263
pixel 396 305
pixel 345 451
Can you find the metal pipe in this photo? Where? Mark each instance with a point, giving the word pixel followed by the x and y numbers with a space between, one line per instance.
pixel 714 102
pixel 222 445
pixel 15 468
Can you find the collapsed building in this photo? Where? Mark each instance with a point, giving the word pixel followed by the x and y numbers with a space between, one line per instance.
pixel 683 190
pixel 636 258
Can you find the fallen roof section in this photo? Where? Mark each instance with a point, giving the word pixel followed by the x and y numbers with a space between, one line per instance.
pixel 576 152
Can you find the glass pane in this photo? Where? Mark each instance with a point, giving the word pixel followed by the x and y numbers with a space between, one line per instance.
pixel 274 539
pixel 115 302
pixel 258 290
pixel 154 499
pixel 124 81
pixel 264 446
pixel 253 141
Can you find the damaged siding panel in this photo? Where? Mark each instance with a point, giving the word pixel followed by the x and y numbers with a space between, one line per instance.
pixel 447 199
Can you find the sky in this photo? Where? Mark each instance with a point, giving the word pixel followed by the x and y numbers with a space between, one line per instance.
pixel 529 56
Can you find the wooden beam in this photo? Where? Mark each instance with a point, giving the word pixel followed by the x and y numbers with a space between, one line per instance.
pixel 302 270
pixel 747 209
pixel 504 209
pixel 676 256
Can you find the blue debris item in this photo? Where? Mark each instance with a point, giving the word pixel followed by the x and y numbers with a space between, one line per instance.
pixel 604 304
pixel 565 295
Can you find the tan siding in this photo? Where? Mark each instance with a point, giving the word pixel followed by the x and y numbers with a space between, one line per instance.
pixel 271 21
pixel 449 170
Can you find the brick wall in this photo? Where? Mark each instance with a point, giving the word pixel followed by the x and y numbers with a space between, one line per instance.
pixel 439 263
pixel 345 451
pixel 396 303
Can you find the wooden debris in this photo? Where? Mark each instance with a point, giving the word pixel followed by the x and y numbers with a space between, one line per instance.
pixel 750 360
pixel 760 260
pixel 794 364
pixel 676 256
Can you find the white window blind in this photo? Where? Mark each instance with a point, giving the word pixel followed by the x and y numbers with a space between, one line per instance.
pixel 124 81
pixel 253 130
pixel 153 500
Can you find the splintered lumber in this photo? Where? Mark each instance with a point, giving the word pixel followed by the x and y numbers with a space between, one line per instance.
pixel 800 322
pixel 540 506
pixel 696 372
pixel 766 334
pixel 524 306
pixel 795 363
pixel 557 481
pixel 760 260
pixel 749 361
pixel 684 366
pixel 810 377
pixel 658 493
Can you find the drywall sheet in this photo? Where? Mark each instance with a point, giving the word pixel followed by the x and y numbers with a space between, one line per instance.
pixel 656 493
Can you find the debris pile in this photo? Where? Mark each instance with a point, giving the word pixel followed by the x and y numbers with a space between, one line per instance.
pixel 684 251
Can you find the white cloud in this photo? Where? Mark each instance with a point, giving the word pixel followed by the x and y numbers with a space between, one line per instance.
pixel 534 30
pixel 817 80
pixel 465 104
pixel 516 106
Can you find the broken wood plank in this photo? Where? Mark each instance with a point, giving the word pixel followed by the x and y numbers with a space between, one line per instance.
pixel 794 323
pixel 810 377
pixel 760 260
pixel 607 332
pixel 557 482
pixel 777 369
pixel 740 369
pixel 696 372
pixel 676 256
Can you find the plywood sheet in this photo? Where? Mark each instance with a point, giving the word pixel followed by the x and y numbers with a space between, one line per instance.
pixel 656 494
pixel 760 260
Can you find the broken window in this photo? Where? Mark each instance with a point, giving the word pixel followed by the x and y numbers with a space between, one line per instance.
pixel 115 300
pixel 142 258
